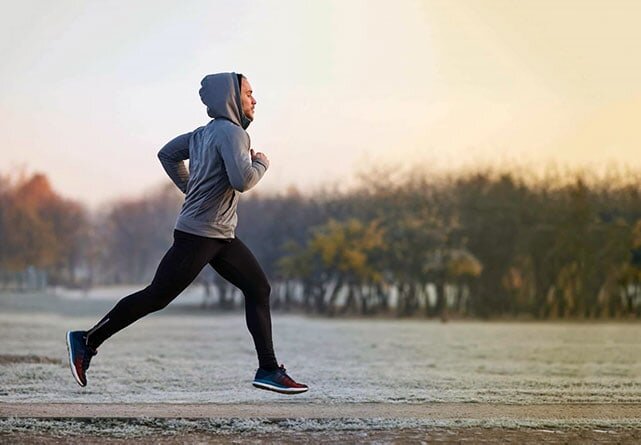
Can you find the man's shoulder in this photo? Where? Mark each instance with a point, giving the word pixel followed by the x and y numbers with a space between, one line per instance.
pixel 228 128
pixel 224 124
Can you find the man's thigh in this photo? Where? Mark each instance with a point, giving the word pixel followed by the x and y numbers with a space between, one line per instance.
pixel 238 265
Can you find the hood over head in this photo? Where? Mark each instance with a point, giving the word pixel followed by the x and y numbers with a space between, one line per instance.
pixel 221 94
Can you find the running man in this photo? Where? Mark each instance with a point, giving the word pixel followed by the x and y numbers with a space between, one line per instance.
pixel 221 166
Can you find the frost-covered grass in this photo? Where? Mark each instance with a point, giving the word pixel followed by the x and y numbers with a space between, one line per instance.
pixel 176 356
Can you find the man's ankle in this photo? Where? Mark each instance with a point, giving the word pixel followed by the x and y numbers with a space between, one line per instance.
pixel 91 347
pixel 269 367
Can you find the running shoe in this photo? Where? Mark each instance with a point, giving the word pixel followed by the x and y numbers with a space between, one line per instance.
pixel 278 381
pixel 79 355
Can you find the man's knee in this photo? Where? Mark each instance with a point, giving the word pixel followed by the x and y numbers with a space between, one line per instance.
pixel 162 298
pixel 262 291
pixel 266 288
pixel 162 294
pixel 160 303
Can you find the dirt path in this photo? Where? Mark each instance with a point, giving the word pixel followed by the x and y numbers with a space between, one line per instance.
pixel 302 422
pixel 433 435
pixel 282 410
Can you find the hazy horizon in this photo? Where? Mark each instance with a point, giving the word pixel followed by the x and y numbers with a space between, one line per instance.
pixel 91 91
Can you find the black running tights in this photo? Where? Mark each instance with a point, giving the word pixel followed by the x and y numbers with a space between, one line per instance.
pixel 178 268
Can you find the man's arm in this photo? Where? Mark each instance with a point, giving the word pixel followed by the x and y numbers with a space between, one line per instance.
pixel 172 156
pixel 243 171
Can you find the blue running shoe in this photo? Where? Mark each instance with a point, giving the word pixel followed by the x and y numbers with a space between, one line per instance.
pixel 79 355
pixel 278 381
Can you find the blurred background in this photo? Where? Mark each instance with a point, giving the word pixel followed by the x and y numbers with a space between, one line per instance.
pixel 437 159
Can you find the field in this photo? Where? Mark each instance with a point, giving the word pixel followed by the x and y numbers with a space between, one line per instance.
pixel 185 373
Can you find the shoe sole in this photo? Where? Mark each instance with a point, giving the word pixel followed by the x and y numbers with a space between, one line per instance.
pixel 73 368
pixel 269 387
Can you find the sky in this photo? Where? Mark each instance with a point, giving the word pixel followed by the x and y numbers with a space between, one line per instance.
pixel 90 91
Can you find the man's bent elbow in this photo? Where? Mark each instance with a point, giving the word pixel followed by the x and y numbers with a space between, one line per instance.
pixel 239 186
pixel 242 187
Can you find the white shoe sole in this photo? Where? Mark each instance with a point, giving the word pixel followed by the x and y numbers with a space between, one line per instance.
pixel 73 368
pixel 267 386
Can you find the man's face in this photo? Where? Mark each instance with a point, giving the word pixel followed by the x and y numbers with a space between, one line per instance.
pixel 247 99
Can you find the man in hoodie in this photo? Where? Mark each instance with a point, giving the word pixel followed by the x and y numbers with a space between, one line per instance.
pixel 221 166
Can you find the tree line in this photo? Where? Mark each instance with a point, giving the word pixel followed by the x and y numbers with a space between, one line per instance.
pixel 484 243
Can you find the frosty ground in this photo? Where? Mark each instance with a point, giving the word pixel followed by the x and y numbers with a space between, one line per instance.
pixel 200 358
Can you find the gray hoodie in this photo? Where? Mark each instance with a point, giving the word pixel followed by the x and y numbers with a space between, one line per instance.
pixel 220 166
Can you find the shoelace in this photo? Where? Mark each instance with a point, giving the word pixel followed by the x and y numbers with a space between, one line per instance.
pixel 288 379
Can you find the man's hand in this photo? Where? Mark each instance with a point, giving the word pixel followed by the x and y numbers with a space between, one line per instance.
pixel 259 156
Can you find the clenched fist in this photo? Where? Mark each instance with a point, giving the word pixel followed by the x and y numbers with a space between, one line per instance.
pixel 259 156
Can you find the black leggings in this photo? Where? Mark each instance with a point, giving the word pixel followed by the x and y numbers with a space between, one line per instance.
pixel 179 267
